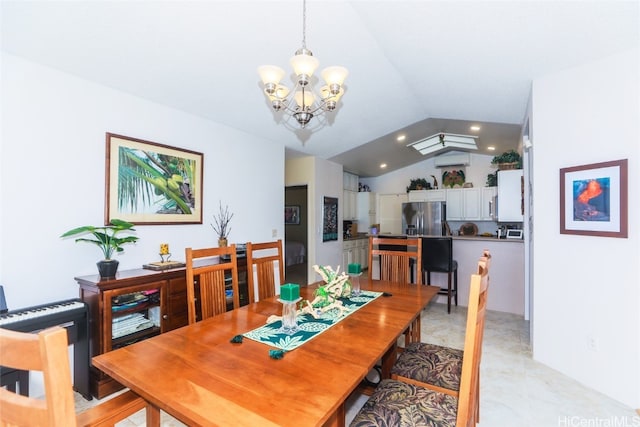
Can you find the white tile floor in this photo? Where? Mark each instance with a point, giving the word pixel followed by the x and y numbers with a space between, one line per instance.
pixel 515 390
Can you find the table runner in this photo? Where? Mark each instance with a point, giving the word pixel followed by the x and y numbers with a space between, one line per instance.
pixel 308 326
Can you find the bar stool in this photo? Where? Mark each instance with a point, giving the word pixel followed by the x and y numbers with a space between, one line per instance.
pixel 437 256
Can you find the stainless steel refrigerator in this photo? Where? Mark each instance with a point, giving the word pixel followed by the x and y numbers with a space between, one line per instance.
pixel 424 218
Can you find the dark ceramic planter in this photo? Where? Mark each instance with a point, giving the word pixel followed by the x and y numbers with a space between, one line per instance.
pixel 107 267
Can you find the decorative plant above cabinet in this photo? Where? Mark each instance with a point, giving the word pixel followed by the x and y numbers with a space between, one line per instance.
pixel 418 184
pixel 508 160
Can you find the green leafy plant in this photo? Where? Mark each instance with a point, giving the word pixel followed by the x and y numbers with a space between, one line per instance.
pixel 418 184
pixel 492 179
pixel 105 236
pixel 510 156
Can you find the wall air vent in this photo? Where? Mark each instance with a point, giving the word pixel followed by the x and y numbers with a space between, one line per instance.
pixel 458 159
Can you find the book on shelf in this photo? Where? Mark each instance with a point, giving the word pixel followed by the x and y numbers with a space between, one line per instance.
pixel 166 265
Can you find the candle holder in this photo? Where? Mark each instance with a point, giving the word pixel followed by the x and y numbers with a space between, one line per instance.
pixel 289 316
pixel 164 258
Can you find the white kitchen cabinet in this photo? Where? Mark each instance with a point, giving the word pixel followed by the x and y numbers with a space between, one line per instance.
pixel 463 204
pixel 355 252
pixel 510 196
pixel 349 181
pixel 487 209
pixel 348 253
pixel 362 248
pixel 427 196
pixel 349 205
pixel 390 212
pixel 366 210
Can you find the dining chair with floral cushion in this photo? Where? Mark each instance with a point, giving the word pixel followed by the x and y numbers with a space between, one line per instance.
pixel 406 402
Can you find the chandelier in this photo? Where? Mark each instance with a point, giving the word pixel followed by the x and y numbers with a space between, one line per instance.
pixel 304 104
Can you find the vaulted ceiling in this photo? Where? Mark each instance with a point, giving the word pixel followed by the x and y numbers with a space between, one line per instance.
pixel 419 67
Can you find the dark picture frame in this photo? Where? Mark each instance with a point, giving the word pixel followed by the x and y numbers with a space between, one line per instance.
pixel 151 183
pixel 593 199
pixel 292 215
pixel 330 219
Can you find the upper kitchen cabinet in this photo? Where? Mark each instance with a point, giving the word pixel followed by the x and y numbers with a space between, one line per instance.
pixel 463 204
pixel 510 196
pixel 350 196
pixel 427 196
pixel 350 181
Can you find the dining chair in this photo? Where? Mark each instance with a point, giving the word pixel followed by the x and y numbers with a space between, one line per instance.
pixel 396 399
pixel 437 256
pixel 397 257
pixel 47 353
pixel 266 257
pixel 208 271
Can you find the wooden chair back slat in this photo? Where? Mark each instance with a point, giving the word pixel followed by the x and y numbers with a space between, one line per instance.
pixel 396 264
pixel 266 258
pixel 468 397
pixel 46 352
pixel 210 274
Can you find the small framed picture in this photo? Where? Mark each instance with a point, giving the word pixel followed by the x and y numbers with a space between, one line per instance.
pixel 593 199
pixel 292 215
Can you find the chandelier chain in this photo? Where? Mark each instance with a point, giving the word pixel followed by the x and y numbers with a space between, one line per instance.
pixel 304 24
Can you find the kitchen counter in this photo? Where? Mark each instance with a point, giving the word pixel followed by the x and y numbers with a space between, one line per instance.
pixel 474 238
pixel 356 237
pixel 507 270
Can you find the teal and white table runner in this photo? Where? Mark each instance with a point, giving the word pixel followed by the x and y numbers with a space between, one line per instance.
pixel 308 326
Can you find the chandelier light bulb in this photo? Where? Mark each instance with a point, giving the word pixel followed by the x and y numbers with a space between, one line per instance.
pixel 334 75
pixel 270 74
pixel 304 65
pixel 304 98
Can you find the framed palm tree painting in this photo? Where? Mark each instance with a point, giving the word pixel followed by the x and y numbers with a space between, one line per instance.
pixel 151 183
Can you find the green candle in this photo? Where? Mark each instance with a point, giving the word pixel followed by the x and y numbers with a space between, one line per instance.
pixel 354 269
pixel 289 292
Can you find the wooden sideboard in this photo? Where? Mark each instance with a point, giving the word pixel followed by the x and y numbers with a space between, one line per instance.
pixel 135 305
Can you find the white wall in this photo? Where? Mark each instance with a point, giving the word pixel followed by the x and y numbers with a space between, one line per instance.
pixel 587 287
pixel 52 178
pixel 324 178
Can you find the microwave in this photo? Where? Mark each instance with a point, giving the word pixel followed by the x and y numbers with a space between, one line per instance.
pixel 514 234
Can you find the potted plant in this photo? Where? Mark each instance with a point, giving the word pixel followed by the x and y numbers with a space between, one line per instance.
pixel 222 226
pixel 418 184
pixel 508 160
pixel 106 238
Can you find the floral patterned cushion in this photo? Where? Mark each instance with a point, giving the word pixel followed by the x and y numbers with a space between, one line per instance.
pixel 431 364
pixel 394 403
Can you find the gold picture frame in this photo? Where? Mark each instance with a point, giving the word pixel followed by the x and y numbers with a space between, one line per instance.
pixel 151 183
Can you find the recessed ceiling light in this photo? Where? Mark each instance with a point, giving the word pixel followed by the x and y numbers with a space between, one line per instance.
pixel 383 165
pixel 475 128
pixel 401 137
pixel 491 148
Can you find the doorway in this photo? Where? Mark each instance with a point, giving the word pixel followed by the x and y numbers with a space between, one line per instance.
pixel 296 245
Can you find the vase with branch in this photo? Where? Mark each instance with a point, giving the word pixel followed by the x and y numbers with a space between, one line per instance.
pixel 222 225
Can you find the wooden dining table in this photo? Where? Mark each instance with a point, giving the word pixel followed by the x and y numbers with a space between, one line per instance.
pixel 196 374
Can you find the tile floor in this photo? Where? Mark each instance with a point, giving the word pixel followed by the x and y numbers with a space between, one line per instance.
pixel 515 390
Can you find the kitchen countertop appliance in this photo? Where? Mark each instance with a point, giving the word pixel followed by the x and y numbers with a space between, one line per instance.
pixel 424 218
